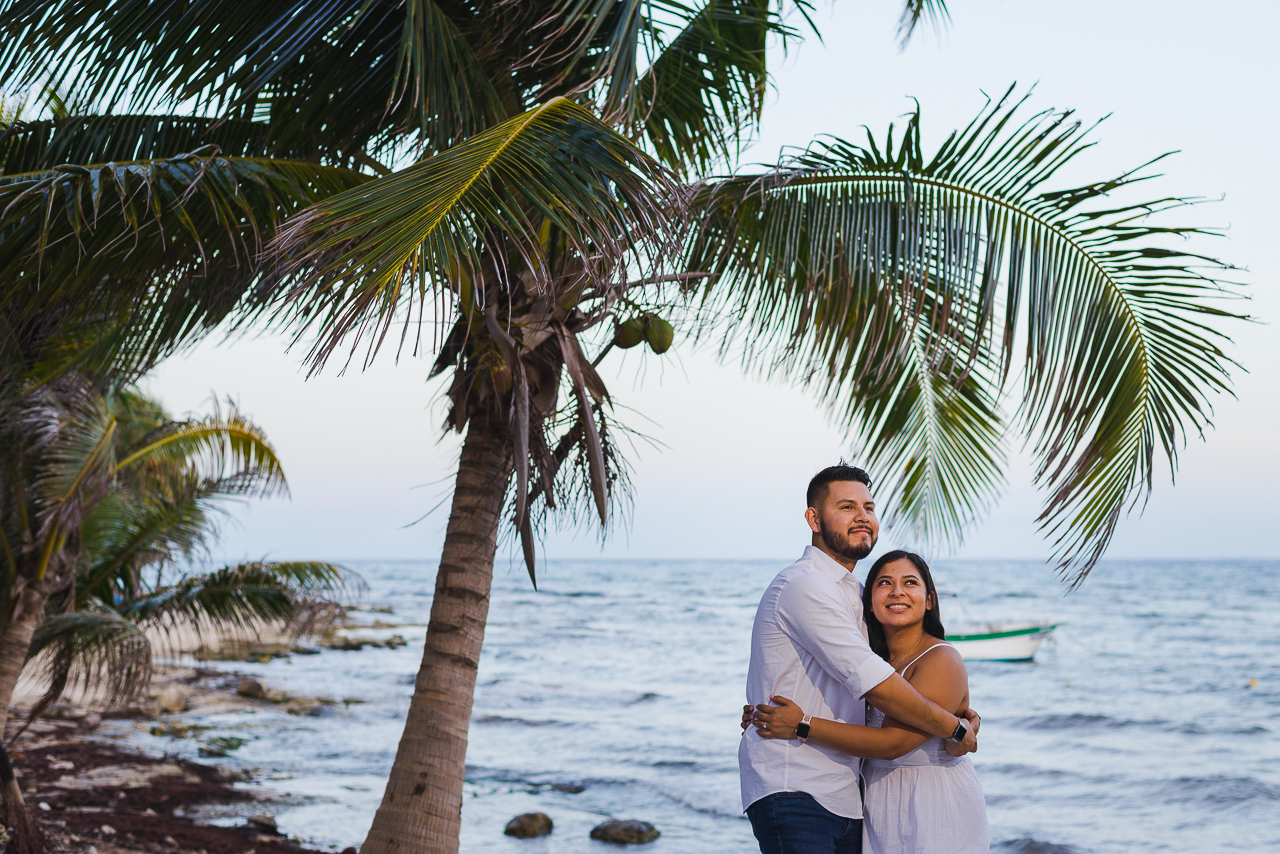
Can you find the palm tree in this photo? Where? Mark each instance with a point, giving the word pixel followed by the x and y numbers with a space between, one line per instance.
pixel 139 543
pixel 104 493
pixel 565 197
pixel 122 238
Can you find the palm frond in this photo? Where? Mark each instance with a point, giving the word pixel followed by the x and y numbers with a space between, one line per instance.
pixel 126 533
pixel 335 75
pixel 244 597
pixel 439 76
pixel 98 646
pixel 704 91
pixel 220 448
pixel 167 50
pixel 357 259
pixel 11 106
pixel 153 251
pixel 137 415
pixel 91 648
pixel 36 146
pixel 827 249
pixel 596 43
pixel 936 432
pixel 915 12
pixel 576 475
pixel 76 432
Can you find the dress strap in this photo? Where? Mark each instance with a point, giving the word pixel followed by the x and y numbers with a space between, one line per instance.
pixel 923 654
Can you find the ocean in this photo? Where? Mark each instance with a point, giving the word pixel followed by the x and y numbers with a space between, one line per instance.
pixel 1149 723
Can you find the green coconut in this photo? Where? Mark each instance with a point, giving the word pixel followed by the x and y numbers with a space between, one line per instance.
pixel 659 334
pixel 629 334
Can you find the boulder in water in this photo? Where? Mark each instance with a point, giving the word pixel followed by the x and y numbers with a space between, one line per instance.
pixel 252 689
pixel 173 698
pixel 264 823
pixel 625 832
pixel 529 825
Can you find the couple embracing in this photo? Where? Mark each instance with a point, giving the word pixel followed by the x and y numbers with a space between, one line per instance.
pixel 857 735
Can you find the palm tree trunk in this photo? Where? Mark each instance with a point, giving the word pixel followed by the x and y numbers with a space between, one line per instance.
pixel 421 810
pixel 15 640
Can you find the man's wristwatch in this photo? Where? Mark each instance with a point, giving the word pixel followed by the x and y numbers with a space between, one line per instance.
pixel 802 728
pixel 962 729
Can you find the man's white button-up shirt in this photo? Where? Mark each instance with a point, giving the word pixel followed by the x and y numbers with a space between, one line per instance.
pixel 809 644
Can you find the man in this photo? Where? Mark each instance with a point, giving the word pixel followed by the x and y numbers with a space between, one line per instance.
pixel 809 643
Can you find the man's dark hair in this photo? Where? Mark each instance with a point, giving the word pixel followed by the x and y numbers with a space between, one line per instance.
pixel 818 486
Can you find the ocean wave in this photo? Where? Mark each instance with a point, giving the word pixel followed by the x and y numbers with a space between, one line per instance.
pixel 1027 845
pixel 508 693
pixel 505 777
pixel 1017 770
pixel 1216 789
pixel 1082 721
pixel 500 719
pixel 1198 729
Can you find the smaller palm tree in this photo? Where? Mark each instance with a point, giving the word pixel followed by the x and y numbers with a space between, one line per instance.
pixel 108 504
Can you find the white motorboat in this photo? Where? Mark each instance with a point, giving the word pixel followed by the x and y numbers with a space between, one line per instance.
pixel 1007 641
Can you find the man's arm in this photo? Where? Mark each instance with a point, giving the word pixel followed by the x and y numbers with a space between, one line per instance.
pixel 897 699
pixel 814 613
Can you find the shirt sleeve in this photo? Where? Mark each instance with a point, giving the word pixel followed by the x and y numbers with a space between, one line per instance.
pixel 815 613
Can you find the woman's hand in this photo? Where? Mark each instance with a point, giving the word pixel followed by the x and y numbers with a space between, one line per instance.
pixel 975 721
pixel 777 721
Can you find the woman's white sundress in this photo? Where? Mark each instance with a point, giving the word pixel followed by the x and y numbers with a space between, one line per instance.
pixel 926 802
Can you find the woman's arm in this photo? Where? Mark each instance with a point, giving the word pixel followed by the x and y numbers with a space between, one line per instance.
pixel 943 680
pixel 941 676
pixel 867 742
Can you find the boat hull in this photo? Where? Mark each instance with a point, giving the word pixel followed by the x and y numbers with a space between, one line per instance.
pixel 1002 643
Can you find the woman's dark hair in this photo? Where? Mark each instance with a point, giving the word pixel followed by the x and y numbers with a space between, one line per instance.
pixel 932 616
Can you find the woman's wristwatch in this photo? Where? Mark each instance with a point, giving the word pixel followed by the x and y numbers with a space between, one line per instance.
pixel 802 728
pixel 962 729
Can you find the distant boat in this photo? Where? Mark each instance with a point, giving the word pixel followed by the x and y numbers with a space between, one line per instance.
pixel 1007 641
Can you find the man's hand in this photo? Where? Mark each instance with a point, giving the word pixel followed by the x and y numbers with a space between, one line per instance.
pixel 970 743
pixel 747 712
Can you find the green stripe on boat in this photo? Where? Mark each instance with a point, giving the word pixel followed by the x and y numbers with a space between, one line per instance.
pixel 992 636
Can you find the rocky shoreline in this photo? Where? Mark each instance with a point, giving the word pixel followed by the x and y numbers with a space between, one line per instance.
pixel 97 788
pixel 91 794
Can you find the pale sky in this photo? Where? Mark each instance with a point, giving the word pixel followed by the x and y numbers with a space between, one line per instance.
pixel 364 453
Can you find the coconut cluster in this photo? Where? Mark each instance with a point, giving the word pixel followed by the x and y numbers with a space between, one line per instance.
pixel 651 329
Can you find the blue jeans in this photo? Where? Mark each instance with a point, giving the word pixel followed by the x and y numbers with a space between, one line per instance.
pixel 794 823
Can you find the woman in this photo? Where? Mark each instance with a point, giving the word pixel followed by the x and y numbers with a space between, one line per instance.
pixel 918 798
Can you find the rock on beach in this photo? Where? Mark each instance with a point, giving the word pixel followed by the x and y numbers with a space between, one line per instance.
pixel 266 823
pixel 173 698
pixel 252 689
pixel 529 825
pixel 625 832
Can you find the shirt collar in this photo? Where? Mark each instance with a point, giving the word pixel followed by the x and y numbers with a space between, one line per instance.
pixel 826 563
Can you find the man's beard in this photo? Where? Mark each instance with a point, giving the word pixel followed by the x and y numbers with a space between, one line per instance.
pixel 839 543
